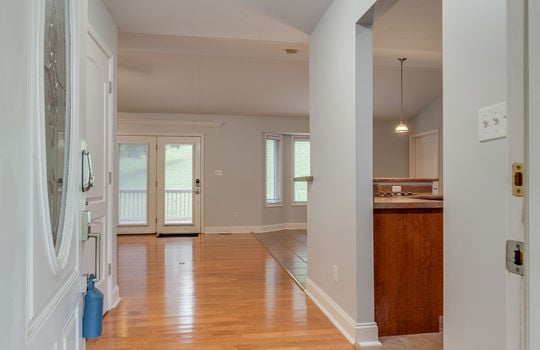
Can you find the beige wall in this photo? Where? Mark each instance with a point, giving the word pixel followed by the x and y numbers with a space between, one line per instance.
pixel 156 82
pixel 233 202
pixel 390 150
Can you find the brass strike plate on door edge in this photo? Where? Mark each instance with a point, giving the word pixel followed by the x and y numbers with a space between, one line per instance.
pixel 518 179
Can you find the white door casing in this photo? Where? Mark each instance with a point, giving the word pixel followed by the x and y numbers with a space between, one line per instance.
pixel 516 215
pixel 99 139
pixel 424 154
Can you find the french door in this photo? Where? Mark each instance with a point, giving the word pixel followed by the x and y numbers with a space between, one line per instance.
pixel 159 184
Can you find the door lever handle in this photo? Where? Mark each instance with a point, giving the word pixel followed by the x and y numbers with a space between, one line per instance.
pixel 87 171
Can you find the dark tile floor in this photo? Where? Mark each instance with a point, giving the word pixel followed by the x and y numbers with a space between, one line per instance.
pixel 289 248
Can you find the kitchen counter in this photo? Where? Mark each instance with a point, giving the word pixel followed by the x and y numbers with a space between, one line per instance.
pixel 407 202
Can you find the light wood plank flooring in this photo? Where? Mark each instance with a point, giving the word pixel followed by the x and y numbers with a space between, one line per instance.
pixel 209 292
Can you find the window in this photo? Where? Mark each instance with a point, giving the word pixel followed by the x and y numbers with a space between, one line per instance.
pixel 273 169
pixel 301 165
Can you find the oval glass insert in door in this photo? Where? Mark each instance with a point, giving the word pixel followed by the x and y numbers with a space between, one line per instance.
pixel 57 110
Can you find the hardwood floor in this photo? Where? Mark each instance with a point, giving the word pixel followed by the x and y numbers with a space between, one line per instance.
pixel 209 292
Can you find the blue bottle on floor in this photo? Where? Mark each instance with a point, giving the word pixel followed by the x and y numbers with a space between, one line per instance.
pixel 93 311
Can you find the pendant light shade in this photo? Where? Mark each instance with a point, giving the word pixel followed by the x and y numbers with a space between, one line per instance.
pixel 401 127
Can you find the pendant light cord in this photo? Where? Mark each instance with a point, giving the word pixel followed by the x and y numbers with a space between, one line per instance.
pixel 402 60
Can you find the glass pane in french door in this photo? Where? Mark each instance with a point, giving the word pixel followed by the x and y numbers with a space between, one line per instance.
pixel 133 179
pixel 178 184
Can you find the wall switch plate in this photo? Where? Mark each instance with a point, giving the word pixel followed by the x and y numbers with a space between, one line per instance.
pixel 492 123
pixel 218 172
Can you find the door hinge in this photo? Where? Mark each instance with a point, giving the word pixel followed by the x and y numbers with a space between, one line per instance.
pixel 156 221
pixel 109 87
pixel 110 177
pixel 515 260
pixel 110 269
pixel 518 179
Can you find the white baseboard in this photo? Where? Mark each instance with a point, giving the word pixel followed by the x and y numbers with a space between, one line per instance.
pixel 230 229
pixel 255 229
pixel 296 226
pixel 115 297
pixel 362 334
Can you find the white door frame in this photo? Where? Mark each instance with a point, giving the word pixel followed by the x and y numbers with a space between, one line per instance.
pixel 195 226
pixel 412 151
pixel 141 130
pixel 533 257
pixel 108 250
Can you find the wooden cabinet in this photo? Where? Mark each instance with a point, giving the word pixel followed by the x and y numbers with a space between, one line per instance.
pixel 408 262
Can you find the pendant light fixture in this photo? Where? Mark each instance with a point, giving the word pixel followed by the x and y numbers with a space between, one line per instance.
pixel 401 127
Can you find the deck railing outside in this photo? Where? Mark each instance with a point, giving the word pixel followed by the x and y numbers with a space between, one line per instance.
pixel 132 208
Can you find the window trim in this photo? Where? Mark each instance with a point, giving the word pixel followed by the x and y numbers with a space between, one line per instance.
pixel 294 202
pixel 279 170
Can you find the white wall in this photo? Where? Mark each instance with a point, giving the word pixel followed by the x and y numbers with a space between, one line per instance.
pixel 474 75
pixel 340 212
pixel 14 172
pixel 237 148
pixel 390 150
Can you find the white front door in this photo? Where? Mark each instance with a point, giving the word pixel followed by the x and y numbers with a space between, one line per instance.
pixel 97 133
pixel 41 296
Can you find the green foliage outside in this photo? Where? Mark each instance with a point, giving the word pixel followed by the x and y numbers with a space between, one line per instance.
pixel 302 167
pixel 133 166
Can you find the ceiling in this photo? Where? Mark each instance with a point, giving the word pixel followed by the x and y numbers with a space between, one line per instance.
pixel 267 20
pixel 256 33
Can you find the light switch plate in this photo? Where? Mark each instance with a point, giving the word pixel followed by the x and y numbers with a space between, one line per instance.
pixel 218 172
pixel 492 124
